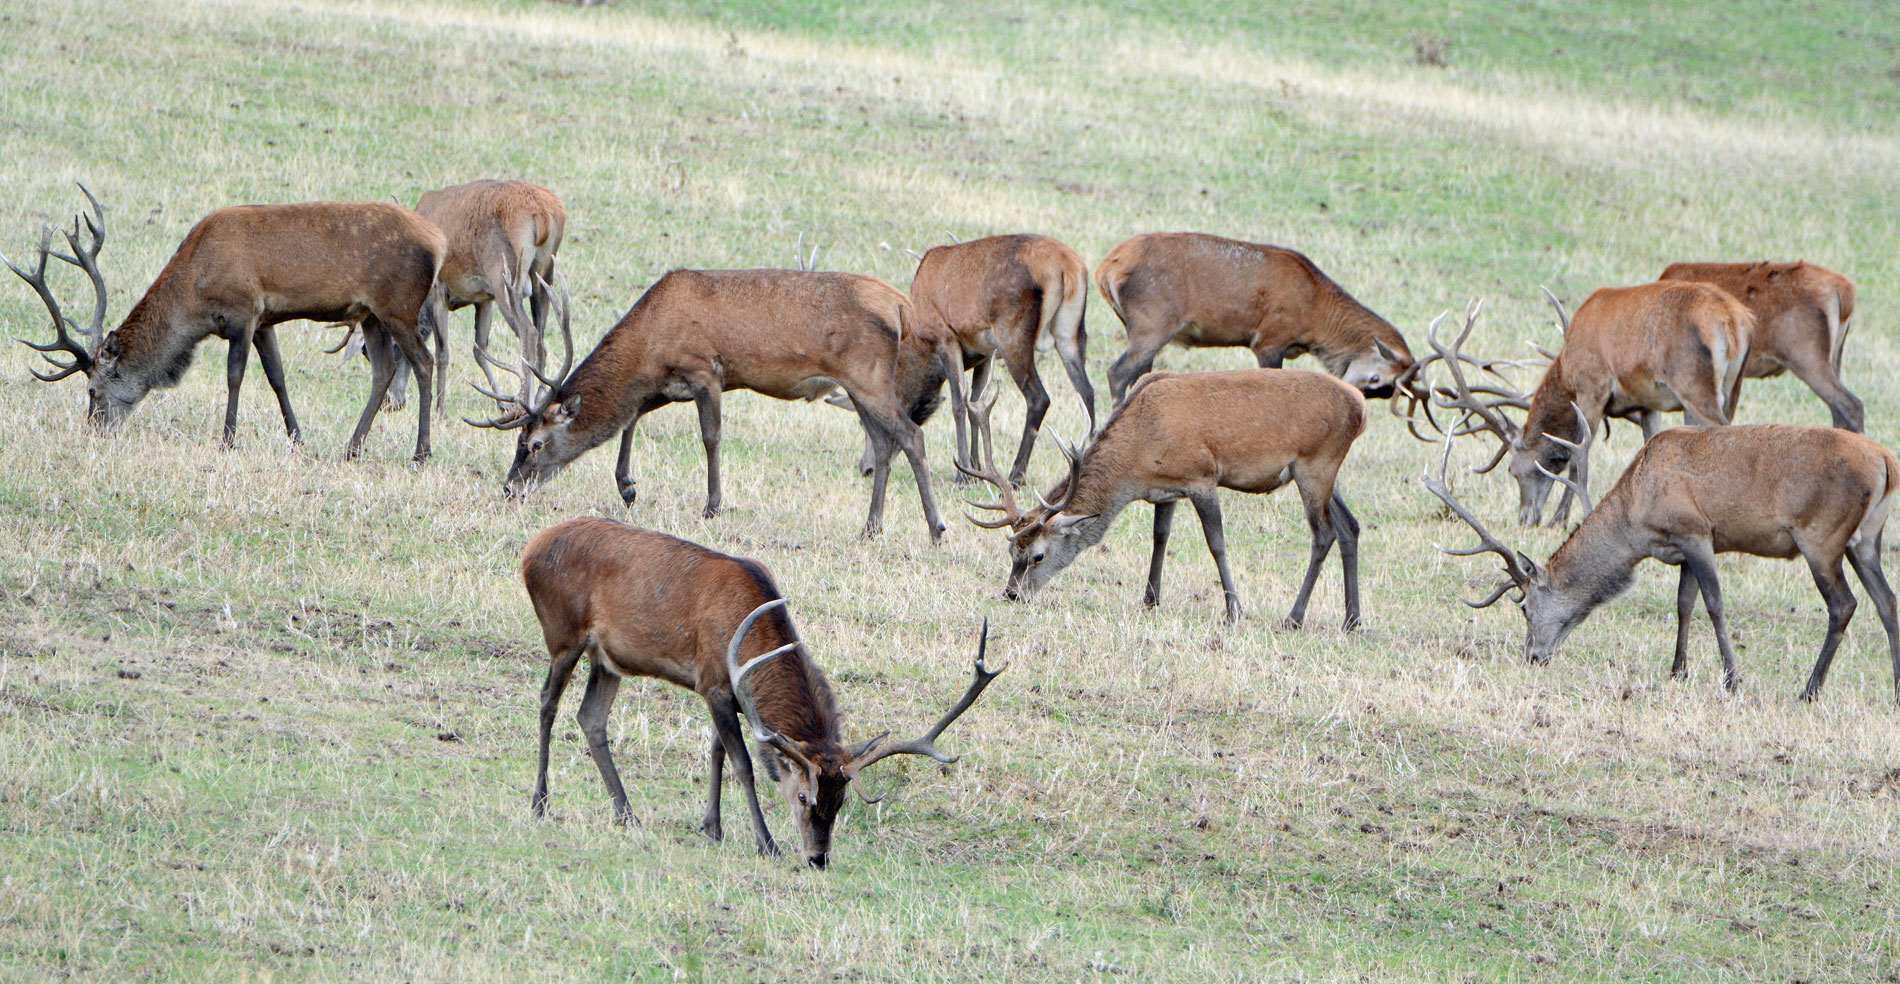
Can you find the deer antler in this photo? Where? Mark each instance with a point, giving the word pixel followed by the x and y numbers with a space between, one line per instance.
pixel 1576 450
pixel 926 745
pixel 1520 578
pixel 1563 320
pixel 980 418
pixel 86 258
pixel 514 411
pixel 737 676
pixel 1468 398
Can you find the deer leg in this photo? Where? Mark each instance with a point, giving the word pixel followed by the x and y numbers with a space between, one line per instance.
pixel 711 825
pixel 1073 348
pixel 1840 610
pixel 1207 506
pixel 1687 592
pixel 1023 370
pixel 1269 358
pixel 1814 369
pixel 623 467
pixel 1133 364
pixel 1319 521
pixel 707 399
pixel 952 357
pixel 1346 528
pixel 979 385
pixel 265 340
pixel 560 668
pixel 881 445
pixel 437 323
pixel 382 368
pixel 1865 558
pixel 599 699
pixel 1699 557
pixel 235 360
pixel 1164 524
pixel 726 725
pixel 1652 424
pixel 417 353
pixel 893 427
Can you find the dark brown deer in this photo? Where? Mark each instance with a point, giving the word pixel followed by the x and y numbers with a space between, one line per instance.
pixel 1771 490
pixel 1199 290
pixel 1186 437
pixel 640 603
pixel 1013 297
pixel 238 274
pixel 1630 352
pixel 696 333
pixel 1801 313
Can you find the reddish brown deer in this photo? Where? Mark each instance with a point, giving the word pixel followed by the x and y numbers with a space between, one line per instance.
pixel 238 274
pixel 787 334
pixel 1186 437
pixel 1199 290
pixel 1801 320
pixel 1013 296
pixel 640 603
pixel 1630 351
pixel 1771 490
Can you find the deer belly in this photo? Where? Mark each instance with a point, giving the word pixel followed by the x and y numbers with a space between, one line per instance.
pixel 1647 394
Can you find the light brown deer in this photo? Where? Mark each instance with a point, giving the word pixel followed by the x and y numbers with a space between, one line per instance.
pixel 1631 351
pixel 786 334
pixel 1771 490
pixel 1199 290
pixel 239 273
pixel 1801 313
pixel 1186 437
pixel 640 603
pixel 1013 297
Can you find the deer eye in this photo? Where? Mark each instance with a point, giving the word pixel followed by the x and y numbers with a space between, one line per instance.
pixel 1037 559
pixel 803 799
pixel 535 448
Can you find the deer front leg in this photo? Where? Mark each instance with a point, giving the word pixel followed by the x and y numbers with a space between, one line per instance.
pixel 707 399
pixel 1207 505
pixel 1686 594
pixel 1699 557
pixel 265 339
pixel 1164 524
pixel 235 361
pixel 726 725
pixel 623 468
pixel 710 825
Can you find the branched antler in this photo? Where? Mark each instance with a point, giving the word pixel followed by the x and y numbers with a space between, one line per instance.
pixel 86 258
pixel 926 745
pixel 1514 564
pixel 515 411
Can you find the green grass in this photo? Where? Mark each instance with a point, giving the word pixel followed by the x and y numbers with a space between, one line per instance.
pixel 265 714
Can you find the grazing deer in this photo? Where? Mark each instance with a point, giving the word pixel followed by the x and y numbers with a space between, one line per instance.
pixel 1200 290
pixel 640 603
pixel 1186 437
pixel 239 273
pixel 1771 490
pixel 1801 320
pixel 786 334
pixel 1013 296
pixel 1631 351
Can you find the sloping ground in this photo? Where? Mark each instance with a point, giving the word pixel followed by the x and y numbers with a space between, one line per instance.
pixel 267 713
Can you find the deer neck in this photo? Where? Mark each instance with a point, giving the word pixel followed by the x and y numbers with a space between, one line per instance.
pixel 1551 411
pixel 1596 563
pixel 1346 329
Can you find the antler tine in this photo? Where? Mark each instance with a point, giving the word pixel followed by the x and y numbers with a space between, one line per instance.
pixel 1563 320
pixel 1074 455
pixel 514 413
pixel 737 676
pixel 1576 449
pixel 1464 398
pixel 986 470
pixel 926 745
pixel 1409 384
pixel 87 258
pixel 62 342
pixel 1486 541
pixel 561 300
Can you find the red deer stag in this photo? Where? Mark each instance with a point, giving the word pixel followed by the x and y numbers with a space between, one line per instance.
pixel 1186 437
pixel 1013 296
pixel 1200 290
pixel 1771 490
pixel 640 603
pixel 239 273
pixel 1631 351
pixel 696 333
pixel 1801 321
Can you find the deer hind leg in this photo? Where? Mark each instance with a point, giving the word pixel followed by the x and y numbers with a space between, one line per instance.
pixel 416 351
pixel 602 685
pixel 706 398
pixel 725 717
pixel 560 669
pixel 1865 558
pixel 883 422
pixel 1164 524
pixel 265 340
pixel 1687 591
pixel 1134 363
pixel 1317 494
pixel 1022 368
pixel 1346 527
pixel 1699 557
pixel 1813 366
pixel 382 369
pixel 1840 610
pixel 1207 506
pixel 1072 346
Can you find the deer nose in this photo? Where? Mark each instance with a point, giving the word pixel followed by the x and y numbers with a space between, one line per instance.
pixel 818 860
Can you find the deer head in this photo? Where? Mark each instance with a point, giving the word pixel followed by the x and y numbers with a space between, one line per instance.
pixel 546 444
pixel 1043 540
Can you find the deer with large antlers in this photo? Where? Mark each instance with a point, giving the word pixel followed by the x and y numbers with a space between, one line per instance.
pixel 1630 351
pixel 1186 437
pixel 1770 490
pixel 239 273
pixel 1802 312
pixel 787 334
pixel 640 603
pixel 1199 290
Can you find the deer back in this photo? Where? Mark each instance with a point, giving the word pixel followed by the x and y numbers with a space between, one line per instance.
pixel 1641 345
pixel 995 285
pixel 489 222
pixel 657 606
pixel 1790 301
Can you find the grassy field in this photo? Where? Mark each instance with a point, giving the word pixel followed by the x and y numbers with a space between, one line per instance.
pixel 268 715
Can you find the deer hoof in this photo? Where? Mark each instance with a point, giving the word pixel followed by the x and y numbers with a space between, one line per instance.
pixel 628 493
pixel 714 831
pixel 710 512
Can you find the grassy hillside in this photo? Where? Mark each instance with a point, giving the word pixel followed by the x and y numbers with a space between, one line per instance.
pixel 265 714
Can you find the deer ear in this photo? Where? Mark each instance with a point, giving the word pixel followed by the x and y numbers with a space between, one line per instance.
pixel 1061 524
pixel 1386 353
pixel 1530 566
pixel 566 410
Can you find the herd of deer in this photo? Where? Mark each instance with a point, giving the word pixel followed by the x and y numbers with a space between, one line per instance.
pixel 641 603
